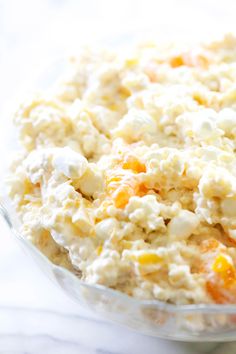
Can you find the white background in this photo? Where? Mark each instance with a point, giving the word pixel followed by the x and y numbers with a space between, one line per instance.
pixel 34 33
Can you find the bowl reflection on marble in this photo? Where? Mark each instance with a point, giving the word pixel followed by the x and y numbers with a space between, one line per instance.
pixel 25 330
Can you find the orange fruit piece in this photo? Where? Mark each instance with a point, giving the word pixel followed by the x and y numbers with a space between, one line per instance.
pixel 122 195
pixel 132 163
pixel 142 190
pixel 216 293
pixel 177 61
pixel 222 282
pixel 189 59
pixel 224 269
pixel 121 185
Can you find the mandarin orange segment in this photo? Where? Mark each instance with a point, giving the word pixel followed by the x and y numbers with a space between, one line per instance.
pixel 142 190
pixel 122 195
pixel 121 191
pixel 189 59
pixel 177 61
pixel 132 163
pixel 216 293
pixel 221 264
pixel 121 184
pixel 225 269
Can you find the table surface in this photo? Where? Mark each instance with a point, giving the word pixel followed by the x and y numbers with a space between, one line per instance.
pixel 35 316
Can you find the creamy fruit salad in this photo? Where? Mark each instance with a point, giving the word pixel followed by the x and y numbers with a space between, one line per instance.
pixel 127 173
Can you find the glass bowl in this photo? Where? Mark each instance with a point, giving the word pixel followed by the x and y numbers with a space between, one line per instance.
pixel 185 323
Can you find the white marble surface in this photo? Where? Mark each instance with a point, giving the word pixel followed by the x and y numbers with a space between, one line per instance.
pixel 35 316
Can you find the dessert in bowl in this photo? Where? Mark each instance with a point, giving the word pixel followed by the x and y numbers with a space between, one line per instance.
pixel 126 182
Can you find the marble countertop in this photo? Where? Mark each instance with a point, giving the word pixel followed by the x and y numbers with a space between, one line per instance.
pixel 35 316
